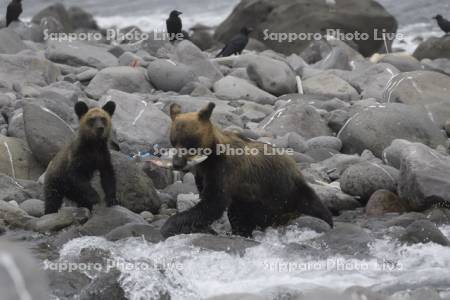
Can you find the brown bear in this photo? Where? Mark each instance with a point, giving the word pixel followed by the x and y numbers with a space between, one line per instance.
pixel 258 189
pixel 71 171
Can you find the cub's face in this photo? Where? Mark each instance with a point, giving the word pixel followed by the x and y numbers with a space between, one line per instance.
pixel 95 123
pixel 190 131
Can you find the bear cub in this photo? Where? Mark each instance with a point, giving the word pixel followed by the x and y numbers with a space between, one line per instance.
pixel 69 174
pixel 257 190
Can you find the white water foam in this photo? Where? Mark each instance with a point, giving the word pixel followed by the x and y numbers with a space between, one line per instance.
pixel 201 274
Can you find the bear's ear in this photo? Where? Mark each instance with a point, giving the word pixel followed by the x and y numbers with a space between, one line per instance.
pixel 206 113
pixel 175 110
pixel 81 109
pixel 110 108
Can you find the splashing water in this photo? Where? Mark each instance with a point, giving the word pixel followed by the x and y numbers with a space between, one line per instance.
pixel 188 272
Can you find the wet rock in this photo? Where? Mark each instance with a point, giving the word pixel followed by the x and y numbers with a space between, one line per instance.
pixel 77 54
pixel 329 86
pixel 125 79
pixel 440 65
pixel 405 220
pixel 18 190
pixel 65 284
pixel 301 119
pixel 375 127
pixel 19 263
pixel 13 215
pixel 40 71
pixel 202 36
pixel 335 199
pixel 372 81
pixel 424 177
pixel 320 154
pixel 337 119
pixel 393 154
pixel 346 239
pixel 404 63
pixel 423 231
pixel 233 88
pixel 87 75
pixel 33 207
pixel 329 142
pixel 366 178
pixel 46 132
pixel 148 216
pixel 382 202
pixel 437 215
pixel 10 42
pixel 273 76
pixel 232 245
pixel 135 190
pixel 336 165
pixel 17 161
pixel 179 188
pixel 315 224
pixel 433 48
pixel 106 286
pixel 138 124
pixel 147 232
pixel 189 54
pixel 57 221
pixel 167 75
pixel 425 89
pixel 105 219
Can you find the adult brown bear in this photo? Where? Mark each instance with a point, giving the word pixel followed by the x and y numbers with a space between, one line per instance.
pixel 259 190
pixel 70 172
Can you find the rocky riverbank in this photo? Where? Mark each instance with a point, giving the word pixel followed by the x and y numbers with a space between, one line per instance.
pixel 371 135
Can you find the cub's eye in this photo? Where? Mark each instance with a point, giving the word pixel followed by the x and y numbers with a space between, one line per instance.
pixel 103 120
pixel 91 122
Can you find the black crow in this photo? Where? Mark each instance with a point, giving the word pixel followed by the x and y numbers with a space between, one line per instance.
pixel 13 11
pixel 174 24
pixel 237 44
pixel 443 23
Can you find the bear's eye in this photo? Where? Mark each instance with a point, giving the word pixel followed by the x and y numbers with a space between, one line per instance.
pixel 91 122
pixel 103 120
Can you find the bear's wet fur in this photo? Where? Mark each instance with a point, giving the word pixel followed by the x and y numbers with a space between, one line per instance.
pixel 71 171
pixel 257 190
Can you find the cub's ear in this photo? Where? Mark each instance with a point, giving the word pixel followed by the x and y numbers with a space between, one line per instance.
pixel 175 110
pixel 206 113
pixel 110 108
pixel 81 109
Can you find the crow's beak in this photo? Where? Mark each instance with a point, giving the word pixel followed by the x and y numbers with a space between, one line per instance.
pixel 180 13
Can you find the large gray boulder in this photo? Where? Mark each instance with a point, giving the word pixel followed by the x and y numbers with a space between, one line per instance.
pixel 310 16
pixel 78 54
pixel 46 132
pixel 189 54
pixel 424 177
pixel 18 190
pixel 39 71
pixel 366 178
pixel 422 88
pixel 135 190
pixel 17 161
pixel 105 219
pixel 10 42
pixel 372 81
pixel 273 76
pixel 376 126
pixel 233 88
pixel 125 79
pixel 167 75
pixel 139 124
pixel 327 85
pixel 13 215
pixel 299 118
pixel 433 48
